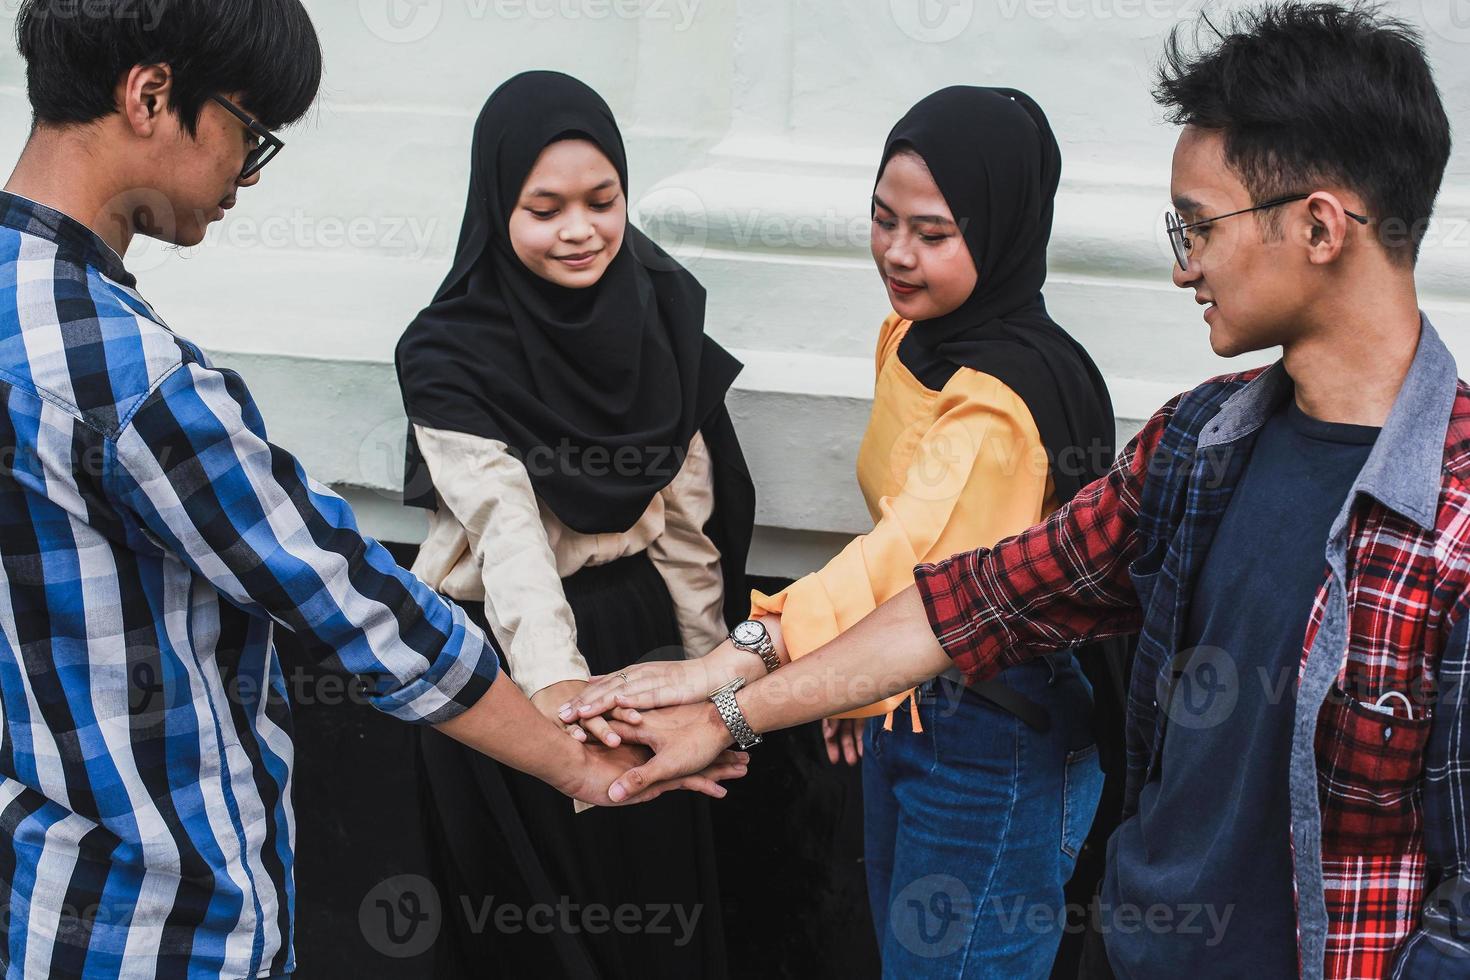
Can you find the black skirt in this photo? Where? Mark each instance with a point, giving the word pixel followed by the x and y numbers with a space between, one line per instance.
pixel 530 888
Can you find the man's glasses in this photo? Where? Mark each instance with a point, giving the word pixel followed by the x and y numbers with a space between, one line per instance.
pixel 1176 227
pixel 263 151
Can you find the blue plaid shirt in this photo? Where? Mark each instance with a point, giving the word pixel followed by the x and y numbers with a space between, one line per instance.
pixel 151 539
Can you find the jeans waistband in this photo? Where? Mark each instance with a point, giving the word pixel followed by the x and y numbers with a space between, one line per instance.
pixel 995 692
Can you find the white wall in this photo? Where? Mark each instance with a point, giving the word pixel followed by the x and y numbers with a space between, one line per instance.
pixel 753 129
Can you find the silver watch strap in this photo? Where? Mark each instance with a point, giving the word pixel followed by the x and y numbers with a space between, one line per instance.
pixel 767 651
pixel 733 717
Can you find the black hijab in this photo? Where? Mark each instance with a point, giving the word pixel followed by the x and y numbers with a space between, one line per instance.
pixel 993 155
pixel 598 391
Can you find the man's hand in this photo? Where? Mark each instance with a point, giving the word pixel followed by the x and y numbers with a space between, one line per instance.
pixel 844 738
pixel 891 650
pixel 658 728
pixel 659 683
pixel 504 726
pixel 601 766
pixel 685 738
pixel 549 700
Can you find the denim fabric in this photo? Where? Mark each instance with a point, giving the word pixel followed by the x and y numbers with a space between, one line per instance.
pixel 974 824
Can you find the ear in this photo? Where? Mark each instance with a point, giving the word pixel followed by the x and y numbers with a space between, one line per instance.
pixel 1327 228
pixel 143 96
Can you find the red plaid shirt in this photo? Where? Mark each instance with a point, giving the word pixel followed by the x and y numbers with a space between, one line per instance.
pixel 1380 803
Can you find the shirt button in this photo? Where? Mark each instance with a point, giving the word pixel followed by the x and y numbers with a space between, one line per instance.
pixel 1387 734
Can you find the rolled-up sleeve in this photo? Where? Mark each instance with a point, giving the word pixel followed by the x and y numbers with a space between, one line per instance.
pixel 972 480
pixel 1063 582
pixel 195 476
pixel 687 559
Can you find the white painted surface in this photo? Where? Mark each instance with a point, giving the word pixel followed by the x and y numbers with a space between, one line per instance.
pixel 753 129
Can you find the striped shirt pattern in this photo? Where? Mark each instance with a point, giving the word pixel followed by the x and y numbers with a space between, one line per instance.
pixel 151 540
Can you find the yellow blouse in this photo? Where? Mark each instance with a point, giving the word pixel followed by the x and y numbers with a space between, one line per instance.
pixel 942 472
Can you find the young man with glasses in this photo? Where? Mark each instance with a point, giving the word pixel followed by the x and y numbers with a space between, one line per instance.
pixel 1293 544
pixel 151 539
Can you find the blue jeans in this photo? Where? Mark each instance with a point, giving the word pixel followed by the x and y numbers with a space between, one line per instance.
pixel 973 826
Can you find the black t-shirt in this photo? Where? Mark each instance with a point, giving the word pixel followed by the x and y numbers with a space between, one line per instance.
pixel 1199 881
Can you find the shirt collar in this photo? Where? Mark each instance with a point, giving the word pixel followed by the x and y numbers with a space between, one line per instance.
pixel 31 218
pixel 1403 472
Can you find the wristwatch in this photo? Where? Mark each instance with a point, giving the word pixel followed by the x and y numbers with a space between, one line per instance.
pixel 751 636
pixel 732 716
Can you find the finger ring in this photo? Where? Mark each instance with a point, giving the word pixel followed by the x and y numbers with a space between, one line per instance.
pixel 623 675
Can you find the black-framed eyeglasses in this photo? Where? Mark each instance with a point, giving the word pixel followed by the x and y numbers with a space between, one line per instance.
pixel 1176 226
pixel 264 151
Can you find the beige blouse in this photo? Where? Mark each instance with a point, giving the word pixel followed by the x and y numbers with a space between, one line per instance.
pixel 492 540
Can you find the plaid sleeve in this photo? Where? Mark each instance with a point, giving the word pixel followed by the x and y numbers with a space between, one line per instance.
pixel 192 468
pixel 1058 584
pixel 1441 946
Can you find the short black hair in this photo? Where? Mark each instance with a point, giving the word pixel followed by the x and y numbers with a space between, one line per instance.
pixel 1318 92
pixel 76 51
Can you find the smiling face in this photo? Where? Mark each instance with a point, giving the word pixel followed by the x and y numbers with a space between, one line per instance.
pixel 917 244
pixel 1255 282
pixel 568 224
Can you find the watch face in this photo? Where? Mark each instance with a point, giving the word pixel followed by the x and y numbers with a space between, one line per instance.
pixel 749 632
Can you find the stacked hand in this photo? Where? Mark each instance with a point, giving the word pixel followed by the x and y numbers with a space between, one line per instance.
pixel 601 767
pixel 549 700
pixel 506 726
pixel 664 683
pixel 612 759
pixel 657 684
pixel 663 705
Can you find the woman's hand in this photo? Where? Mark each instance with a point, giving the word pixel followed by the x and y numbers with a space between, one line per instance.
pixel 844 738
pixel 659 683
pixel 549 700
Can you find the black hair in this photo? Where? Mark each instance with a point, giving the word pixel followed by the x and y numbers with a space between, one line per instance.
pixel 76 51
pixel 1306 93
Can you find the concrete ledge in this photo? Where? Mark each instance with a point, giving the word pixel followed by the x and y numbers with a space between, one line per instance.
pixel 800 418
pixel 311 320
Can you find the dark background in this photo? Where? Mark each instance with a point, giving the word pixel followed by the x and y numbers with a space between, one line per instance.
pixel 789 840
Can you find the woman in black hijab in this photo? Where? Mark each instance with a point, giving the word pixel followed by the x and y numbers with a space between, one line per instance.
pixel 992 156
pixel 569 436
pixel 986 417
